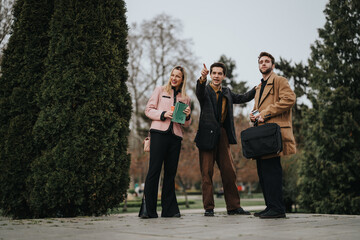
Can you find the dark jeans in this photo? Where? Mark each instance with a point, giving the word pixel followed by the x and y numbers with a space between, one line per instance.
pixel 164 148
pixel 270 177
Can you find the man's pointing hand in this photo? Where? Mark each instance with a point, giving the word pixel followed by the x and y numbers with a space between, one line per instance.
pixel 204 72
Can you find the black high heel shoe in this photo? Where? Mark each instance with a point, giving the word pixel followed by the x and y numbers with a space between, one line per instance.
pixel 143 212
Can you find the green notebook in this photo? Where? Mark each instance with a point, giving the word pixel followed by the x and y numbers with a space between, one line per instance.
pixel 178 115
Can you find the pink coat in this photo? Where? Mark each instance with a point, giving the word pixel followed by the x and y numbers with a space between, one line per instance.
pixel 161 101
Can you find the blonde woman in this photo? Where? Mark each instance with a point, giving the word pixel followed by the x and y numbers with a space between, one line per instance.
pixel 165 145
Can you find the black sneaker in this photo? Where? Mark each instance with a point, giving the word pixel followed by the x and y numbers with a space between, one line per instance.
pixel 209 213
pixel 238 211
pixel 272 214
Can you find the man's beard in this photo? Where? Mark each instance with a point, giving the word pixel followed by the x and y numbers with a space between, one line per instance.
pixel 266 71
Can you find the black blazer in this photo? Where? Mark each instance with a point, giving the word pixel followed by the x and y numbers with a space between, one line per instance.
pixel 207 99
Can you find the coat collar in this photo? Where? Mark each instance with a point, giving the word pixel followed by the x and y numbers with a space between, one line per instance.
pixel 213 87
pixel 269 85
pixel 176 91
pixel 224 90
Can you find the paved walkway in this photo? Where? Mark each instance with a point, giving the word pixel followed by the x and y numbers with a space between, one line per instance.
pixel 192 225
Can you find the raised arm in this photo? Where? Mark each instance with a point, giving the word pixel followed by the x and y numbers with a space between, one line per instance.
pixel 201 83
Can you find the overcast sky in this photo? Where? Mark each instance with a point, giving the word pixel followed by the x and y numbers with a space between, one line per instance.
pixel 241 29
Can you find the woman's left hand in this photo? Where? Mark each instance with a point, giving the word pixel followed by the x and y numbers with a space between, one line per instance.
pixel 187 111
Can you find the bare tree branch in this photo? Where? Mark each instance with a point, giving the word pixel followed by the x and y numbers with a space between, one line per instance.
pixel 5 20
pixel 155 47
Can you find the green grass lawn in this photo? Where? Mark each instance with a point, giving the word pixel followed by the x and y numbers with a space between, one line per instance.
pixel 195 203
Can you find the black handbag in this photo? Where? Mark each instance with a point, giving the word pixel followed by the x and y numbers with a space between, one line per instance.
pixel 143 212
pixel 261 140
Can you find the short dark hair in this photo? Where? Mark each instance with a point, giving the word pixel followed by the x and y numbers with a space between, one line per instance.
pixel 218 64
pixel 267 55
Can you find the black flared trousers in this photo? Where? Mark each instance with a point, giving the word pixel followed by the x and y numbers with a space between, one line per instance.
pixel 164 149
pixel 270 177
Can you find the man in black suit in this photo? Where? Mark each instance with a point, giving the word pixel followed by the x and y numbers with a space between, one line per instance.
pixel 216 131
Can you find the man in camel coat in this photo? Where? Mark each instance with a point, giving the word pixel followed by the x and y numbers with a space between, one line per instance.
pixel 273 100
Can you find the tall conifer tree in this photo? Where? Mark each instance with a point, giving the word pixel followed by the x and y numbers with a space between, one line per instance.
pixel 85 111
pixel 22 70
pixel 330 180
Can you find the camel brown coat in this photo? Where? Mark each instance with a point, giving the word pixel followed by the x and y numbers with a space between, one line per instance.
pixel 275 107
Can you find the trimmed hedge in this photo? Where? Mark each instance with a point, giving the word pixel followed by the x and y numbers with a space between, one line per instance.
pixel 69 108
pixel 22 70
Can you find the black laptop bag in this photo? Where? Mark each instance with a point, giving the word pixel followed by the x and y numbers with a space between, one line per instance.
pixel 261 140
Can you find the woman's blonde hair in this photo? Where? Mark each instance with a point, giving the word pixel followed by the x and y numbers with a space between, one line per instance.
pixel 167 87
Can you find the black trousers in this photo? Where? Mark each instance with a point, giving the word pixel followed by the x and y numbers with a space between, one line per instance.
pixel 270 177
pixel 164 148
